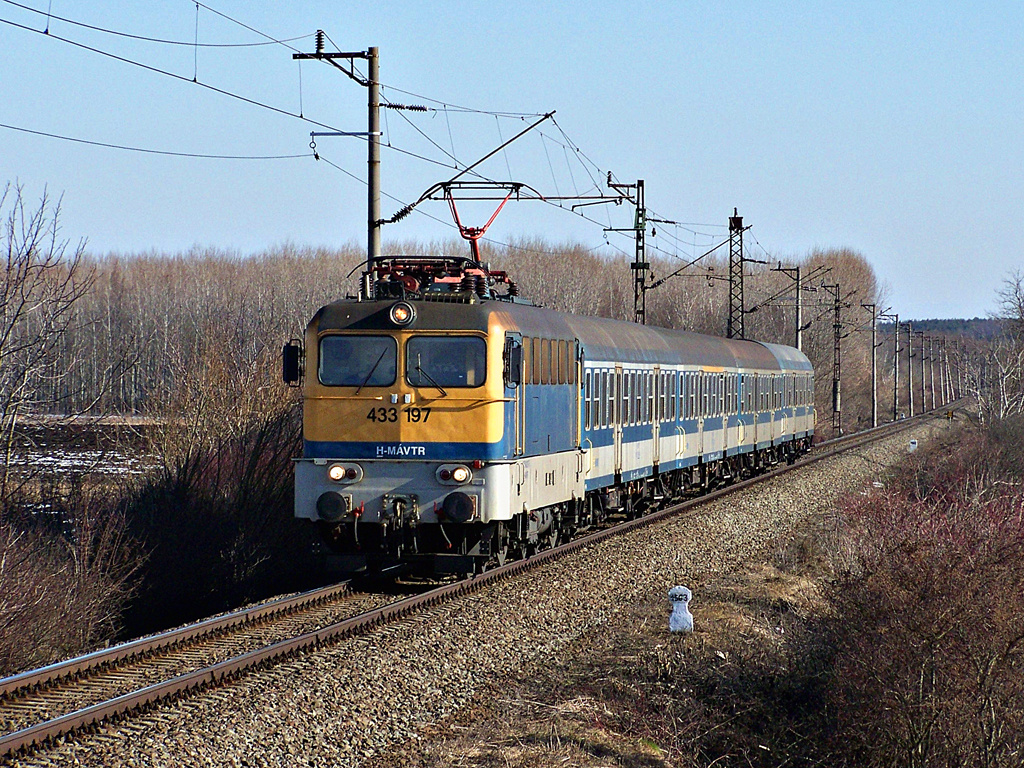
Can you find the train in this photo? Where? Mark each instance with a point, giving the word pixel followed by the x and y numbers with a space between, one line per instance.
pixel 450 425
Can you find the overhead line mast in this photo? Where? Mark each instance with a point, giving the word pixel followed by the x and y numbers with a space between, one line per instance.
pixel 735 327
pixel 372 84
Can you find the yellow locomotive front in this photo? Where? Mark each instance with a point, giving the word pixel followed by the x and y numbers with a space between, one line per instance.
pixel 404 439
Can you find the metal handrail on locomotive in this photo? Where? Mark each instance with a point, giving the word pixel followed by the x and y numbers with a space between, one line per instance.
pixel 450 424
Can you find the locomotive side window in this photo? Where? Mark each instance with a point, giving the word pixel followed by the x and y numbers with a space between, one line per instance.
pixel 527 361
pixel 445 361
pixel 358 361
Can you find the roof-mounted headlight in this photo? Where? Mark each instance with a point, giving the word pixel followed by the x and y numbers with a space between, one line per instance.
pixel 402 313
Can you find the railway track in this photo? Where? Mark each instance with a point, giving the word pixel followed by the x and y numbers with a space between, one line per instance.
pixel 64 699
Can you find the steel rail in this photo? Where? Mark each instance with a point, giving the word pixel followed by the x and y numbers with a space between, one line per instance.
pixel 39 735
pixel 80 666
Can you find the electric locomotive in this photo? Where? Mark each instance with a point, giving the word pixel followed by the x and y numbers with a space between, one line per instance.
pixel 450 424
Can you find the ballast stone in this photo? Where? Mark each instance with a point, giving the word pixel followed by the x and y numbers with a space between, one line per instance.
pixel 681 620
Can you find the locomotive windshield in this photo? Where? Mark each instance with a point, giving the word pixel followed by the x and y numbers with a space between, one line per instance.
pixel 446 361
pixel 358 361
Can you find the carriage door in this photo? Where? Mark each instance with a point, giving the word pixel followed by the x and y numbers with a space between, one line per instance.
pixel 702 402
pixel 517 369
pixel 657 412
pixel 758 404
pixel 615 414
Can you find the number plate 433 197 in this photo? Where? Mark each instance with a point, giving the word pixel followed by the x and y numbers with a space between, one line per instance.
pixel 410 415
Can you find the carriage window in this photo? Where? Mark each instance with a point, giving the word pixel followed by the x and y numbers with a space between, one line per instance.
pixel 358 361
pixel 570 349
pixel 625 408
pixel 586 400
pixel 660 399
pixel 648 397
pixel 603 402
pixel 561 362
pixel 674 412
pixel 634 397
pixel 445 361
pixel 609 399
pixel 643 382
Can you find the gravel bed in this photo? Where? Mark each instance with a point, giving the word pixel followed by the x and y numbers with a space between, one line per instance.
pixel 132 675
pixel 363 696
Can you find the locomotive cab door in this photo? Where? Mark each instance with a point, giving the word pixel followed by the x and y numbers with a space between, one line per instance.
pixel 517 368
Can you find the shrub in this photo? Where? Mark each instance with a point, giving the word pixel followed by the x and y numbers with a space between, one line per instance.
pixel 928 637
pixel 62 587
pixel 217 525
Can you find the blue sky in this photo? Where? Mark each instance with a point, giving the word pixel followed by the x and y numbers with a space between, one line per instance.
pixel 895 129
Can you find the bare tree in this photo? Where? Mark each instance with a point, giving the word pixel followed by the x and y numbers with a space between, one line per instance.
pixel 43 280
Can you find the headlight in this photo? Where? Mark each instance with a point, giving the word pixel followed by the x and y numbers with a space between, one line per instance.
pixel 345 473
pixel 402 313
pixel 453 474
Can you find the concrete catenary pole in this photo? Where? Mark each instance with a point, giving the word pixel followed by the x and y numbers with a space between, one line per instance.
pixel 924 372
pixel 874 363
pixel 373 157
pixel 896 368
pixel 910 370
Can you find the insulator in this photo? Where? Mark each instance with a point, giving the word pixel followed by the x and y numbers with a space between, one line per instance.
pixel 513 289
pixel 402 213
pixel 468 283
pixel 407 107
pixel 319 41
pixel 481 286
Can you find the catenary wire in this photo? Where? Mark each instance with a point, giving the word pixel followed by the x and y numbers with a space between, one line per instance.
pixel 272 40
pixel 144 38
pixel 147 150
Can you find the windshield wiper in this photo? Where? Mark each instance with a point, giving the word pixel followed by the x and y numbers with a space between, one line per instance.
pixel 372 370
pixel 428 377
